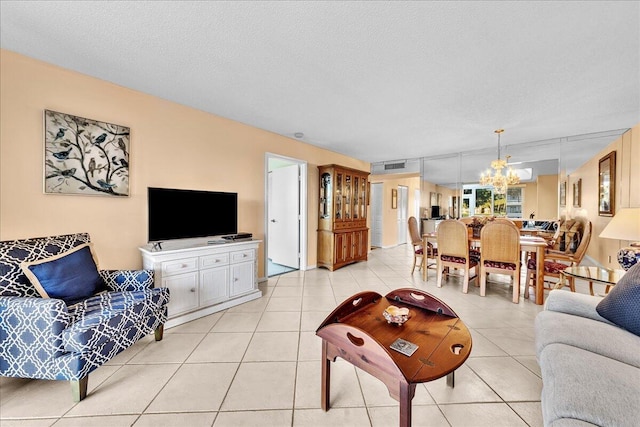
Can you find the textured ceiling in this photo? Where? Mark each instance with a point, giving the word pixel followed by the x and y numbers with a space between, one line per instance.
pixel 374 80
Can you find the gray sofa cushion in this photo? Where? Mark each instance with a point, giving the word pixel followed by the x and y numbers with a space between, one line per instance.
pixel 570 422
pixel 574 303
pixel 622 304
pixel 586 386
pixel 602 338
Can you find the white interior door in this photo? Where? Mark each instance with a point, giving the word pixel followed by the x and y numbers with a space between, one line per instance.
pixel 284 227
pixel 403 218
pixel 376 215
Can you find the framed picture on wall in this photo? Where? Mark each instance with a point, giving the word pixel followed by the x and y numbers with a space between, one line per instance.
pixel 577 189
pixel 84 156
pixel 394 198
pixel 563 193
pixel 607 185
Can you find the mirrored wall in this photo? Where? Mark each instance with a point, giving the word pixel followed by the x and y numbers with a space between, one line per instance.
pixel 540 165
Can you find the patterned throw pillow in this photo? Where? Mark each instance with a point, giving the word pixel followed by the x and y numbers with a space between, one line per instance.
pixel 622 304
pixel 71 276
pixel 13 281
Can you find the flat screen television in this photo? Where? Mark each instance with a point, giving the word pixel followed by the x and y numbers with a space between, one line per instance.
pixel 435 211
pixel 181 214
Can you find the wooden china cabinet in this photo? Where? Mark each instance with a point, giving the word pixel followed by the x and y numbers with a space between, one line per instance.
pixel 343 236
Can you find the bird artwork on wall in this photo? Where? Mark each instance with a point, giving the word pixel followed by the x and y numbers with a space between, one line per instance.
pixel 84 156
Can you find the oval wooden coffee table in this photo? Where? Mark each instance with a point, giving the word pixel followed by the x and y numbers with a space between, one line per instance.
pixel 358 332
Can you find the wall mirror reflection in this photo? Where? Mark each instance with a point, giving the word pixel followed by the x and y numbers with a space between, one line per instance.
pixel 542 167
pixel 606 180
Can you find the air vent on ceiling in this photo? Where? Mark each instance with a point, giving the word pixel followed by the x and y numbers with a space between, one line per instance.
pixel 389 166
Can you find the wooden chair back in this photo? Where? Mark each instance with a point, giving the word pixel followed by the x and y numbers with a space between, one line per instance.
pixel 453 241
pixel 500 241
pixel 500 253
pixel 564 257
pixel 414 232
pixel 584 240
pixel 453 238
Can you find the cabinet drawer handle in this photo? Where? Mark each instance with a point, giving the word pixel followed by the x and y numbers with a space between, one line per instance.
pixel 192 289
pixel 244 255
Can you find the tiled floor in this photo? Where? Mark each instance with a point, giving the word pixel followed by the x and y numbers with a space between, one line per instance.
pixel 258 364
pixel 274 269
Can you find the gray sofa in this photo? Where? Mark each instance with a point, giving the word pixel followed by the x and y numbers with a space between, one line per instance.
pixel 590 367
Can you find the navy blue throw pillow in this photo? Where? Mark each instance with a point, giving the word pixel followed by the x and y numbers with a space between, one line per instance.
pixel 71 276
pixel 622 304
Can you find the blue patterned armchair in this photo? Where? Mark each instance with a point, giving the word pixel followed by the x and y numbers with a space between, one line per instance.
pixel 47 338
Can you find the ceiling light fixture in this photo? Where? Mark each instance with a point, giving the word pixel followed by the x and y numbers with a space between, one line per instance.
pixel 497 180
pixel 298 135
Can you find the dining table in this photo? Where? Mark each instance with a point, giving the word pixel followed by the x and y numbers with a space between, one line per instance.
pixel 528 244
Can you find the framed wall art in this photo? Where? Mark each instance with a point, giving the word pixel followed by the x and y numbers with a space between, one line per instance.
pixel 394 198
pixel 563 193
pixel 607 185
pixel 577 189
pixel 84 156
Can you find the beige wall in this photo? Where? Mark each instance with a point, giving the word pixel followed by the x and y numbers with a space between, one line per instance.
pixel 531 201
pixel 389 215
pixel 547 195
pixel 171 146
pixel 425 198
pixel 627 149
pixel 445 201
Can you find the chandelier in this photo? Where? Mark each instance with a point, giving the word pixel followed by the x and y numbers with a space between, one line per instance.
pixel 498 180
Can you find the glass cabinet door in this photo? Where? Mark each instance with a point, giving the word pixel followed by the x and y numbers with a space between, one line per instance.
pixel 339 213
pixel 363 198
pixel 348 202
pixel 325 195
pixel 356 197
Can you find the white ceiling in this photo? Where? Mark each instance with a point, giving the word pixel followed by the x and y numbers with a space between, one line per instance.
pixel 377 80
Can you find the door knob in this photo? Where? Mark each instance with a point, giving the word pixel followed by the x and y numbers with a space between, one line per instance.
pixel 273 220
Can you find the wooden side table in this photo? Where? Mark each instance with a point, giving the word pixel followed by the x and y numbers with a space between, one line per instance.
pixel 358 332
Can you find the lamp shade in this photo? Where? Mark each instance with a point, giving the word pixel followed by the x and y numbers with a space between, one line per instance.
pixel 625 225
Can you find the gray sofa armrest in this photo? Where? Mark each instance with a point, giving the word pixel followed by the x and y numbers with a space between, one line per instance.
pixel 573 303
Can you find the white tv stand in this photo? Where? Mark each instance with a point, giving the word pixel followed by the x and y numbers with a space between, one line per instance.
pixel 203 278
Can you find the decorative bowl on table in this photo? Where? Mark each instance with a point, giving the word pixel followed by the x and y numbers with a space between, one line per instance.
pixel 396 315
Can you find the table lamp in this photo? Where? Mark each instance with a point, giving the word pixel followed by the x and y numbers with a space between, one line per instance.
pixel 625 225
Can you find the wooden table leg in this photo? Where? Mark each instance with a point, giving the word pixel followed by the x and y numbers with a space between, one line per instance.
pixel 562 282
pixel 326 378
pixel 425 264
pixel 539 275
pixel 407 392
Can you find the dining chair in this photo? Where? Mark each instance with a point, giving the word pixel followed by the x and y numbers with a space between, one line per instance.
pixel 418 249
pixel 500 253
pixel 556 260
pixel 453 251
pixel 416 241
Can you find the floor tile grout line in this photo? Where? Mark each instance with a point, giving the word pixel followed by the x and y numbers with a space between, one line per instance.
pixel 381 279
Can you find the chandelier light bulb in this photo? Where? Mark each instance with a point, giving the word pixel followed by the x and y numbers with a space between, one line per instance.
pixel 498 181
